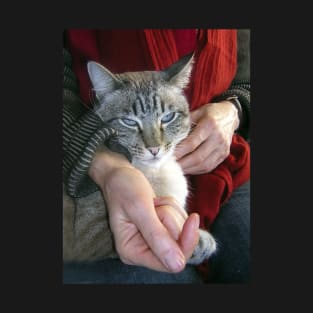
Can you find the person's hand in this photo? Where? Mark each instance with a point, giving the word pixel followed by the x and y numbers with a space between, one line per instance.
pixel 155 235
pixel 208 144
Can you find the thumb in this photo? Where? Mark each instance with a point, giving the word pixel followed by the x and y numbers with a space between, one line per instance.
pixel 190 235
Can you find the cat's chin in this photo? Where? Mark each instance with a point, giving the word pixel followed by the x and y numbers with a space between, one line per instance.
pixel 151 163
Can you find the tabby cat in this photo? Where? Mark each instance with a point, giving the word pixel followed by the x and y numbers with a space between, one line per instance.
pixel 150 113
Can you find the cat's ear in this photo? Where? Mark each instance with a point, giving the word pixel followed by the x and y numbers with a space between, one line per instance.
pixel 178 73
pixel 102 79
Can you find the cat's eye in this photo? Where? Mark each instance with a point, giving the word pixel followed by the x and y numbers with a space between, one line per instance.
pixel 168 117
pixel 129 122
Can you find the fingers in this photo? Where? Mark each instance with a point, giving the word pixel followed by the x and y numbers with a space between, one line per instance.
pixel 171 219
pixel 208 155
pixel 136 252
pixel 196 167
pixel 172 202
pixel 199 155
pixel 197 136
pixel 207 166
pixel 184 230
pixel 158 238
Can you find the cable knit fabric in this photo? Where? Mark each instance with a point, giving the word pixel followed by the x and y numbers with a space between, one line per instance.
pixel 240 85
pixel 83 133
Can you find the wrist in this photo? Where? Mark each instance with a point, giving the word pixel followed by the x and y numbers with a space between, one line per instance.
pixel 126 187
pixel 236 103
pixel 104 163
pixel 230 111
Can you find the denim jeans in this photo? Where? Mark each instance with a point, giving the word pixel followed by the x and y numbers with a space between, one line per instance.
pixel 231 263
pixel 231 229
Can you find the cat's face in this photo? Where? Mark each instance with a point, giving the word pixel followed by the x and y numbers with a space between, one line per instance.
pixel 148 109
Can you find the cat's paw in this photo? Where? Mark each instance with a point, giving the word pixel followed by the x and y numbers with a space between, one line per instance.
pixel 205 248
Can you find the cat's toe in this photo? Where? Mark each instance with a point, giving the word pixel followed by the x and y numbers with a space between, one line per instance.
pixel 205 248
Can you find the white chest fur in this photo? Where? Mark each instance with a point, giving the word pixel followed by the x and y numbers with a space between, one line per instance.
pixel 167 179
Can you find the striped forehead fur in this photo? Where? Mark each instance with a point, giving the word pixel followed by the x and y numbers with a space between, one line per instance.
pixel 142 93
pixel 141 80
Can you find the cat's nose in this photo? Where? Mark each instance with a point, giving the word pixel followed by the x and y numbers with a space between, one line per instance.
pixel 154 150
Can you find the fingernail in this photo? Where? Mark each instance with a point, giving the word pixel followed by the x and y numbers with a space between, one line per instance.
pixel 196 222
pixel 174 262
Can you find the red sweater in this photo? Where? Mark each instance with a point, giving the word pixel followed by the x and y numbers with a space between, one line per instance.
pixel 214 69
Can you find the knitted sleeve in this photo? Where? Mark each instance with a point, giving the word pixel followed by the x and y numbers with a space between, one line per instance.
pixel 240 86
pixel 83 132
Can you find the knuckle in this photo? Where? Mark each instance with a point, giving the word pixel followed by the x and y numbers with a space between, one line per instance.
pixel 193 143
pixel 123 255
pixel 211 123
pixel 170 199
pixel 220 138
pixel 199 158
pixel 173 201
pixel 211 126
pixel 154 235
pixel 226 149
pixel 161 210
pixel 125 260
pixel 207 168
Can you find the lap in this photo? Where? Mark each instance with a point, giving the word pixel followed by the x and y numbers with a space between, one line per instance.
pixel 231 263
pixel 231 229
pixel 113 271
